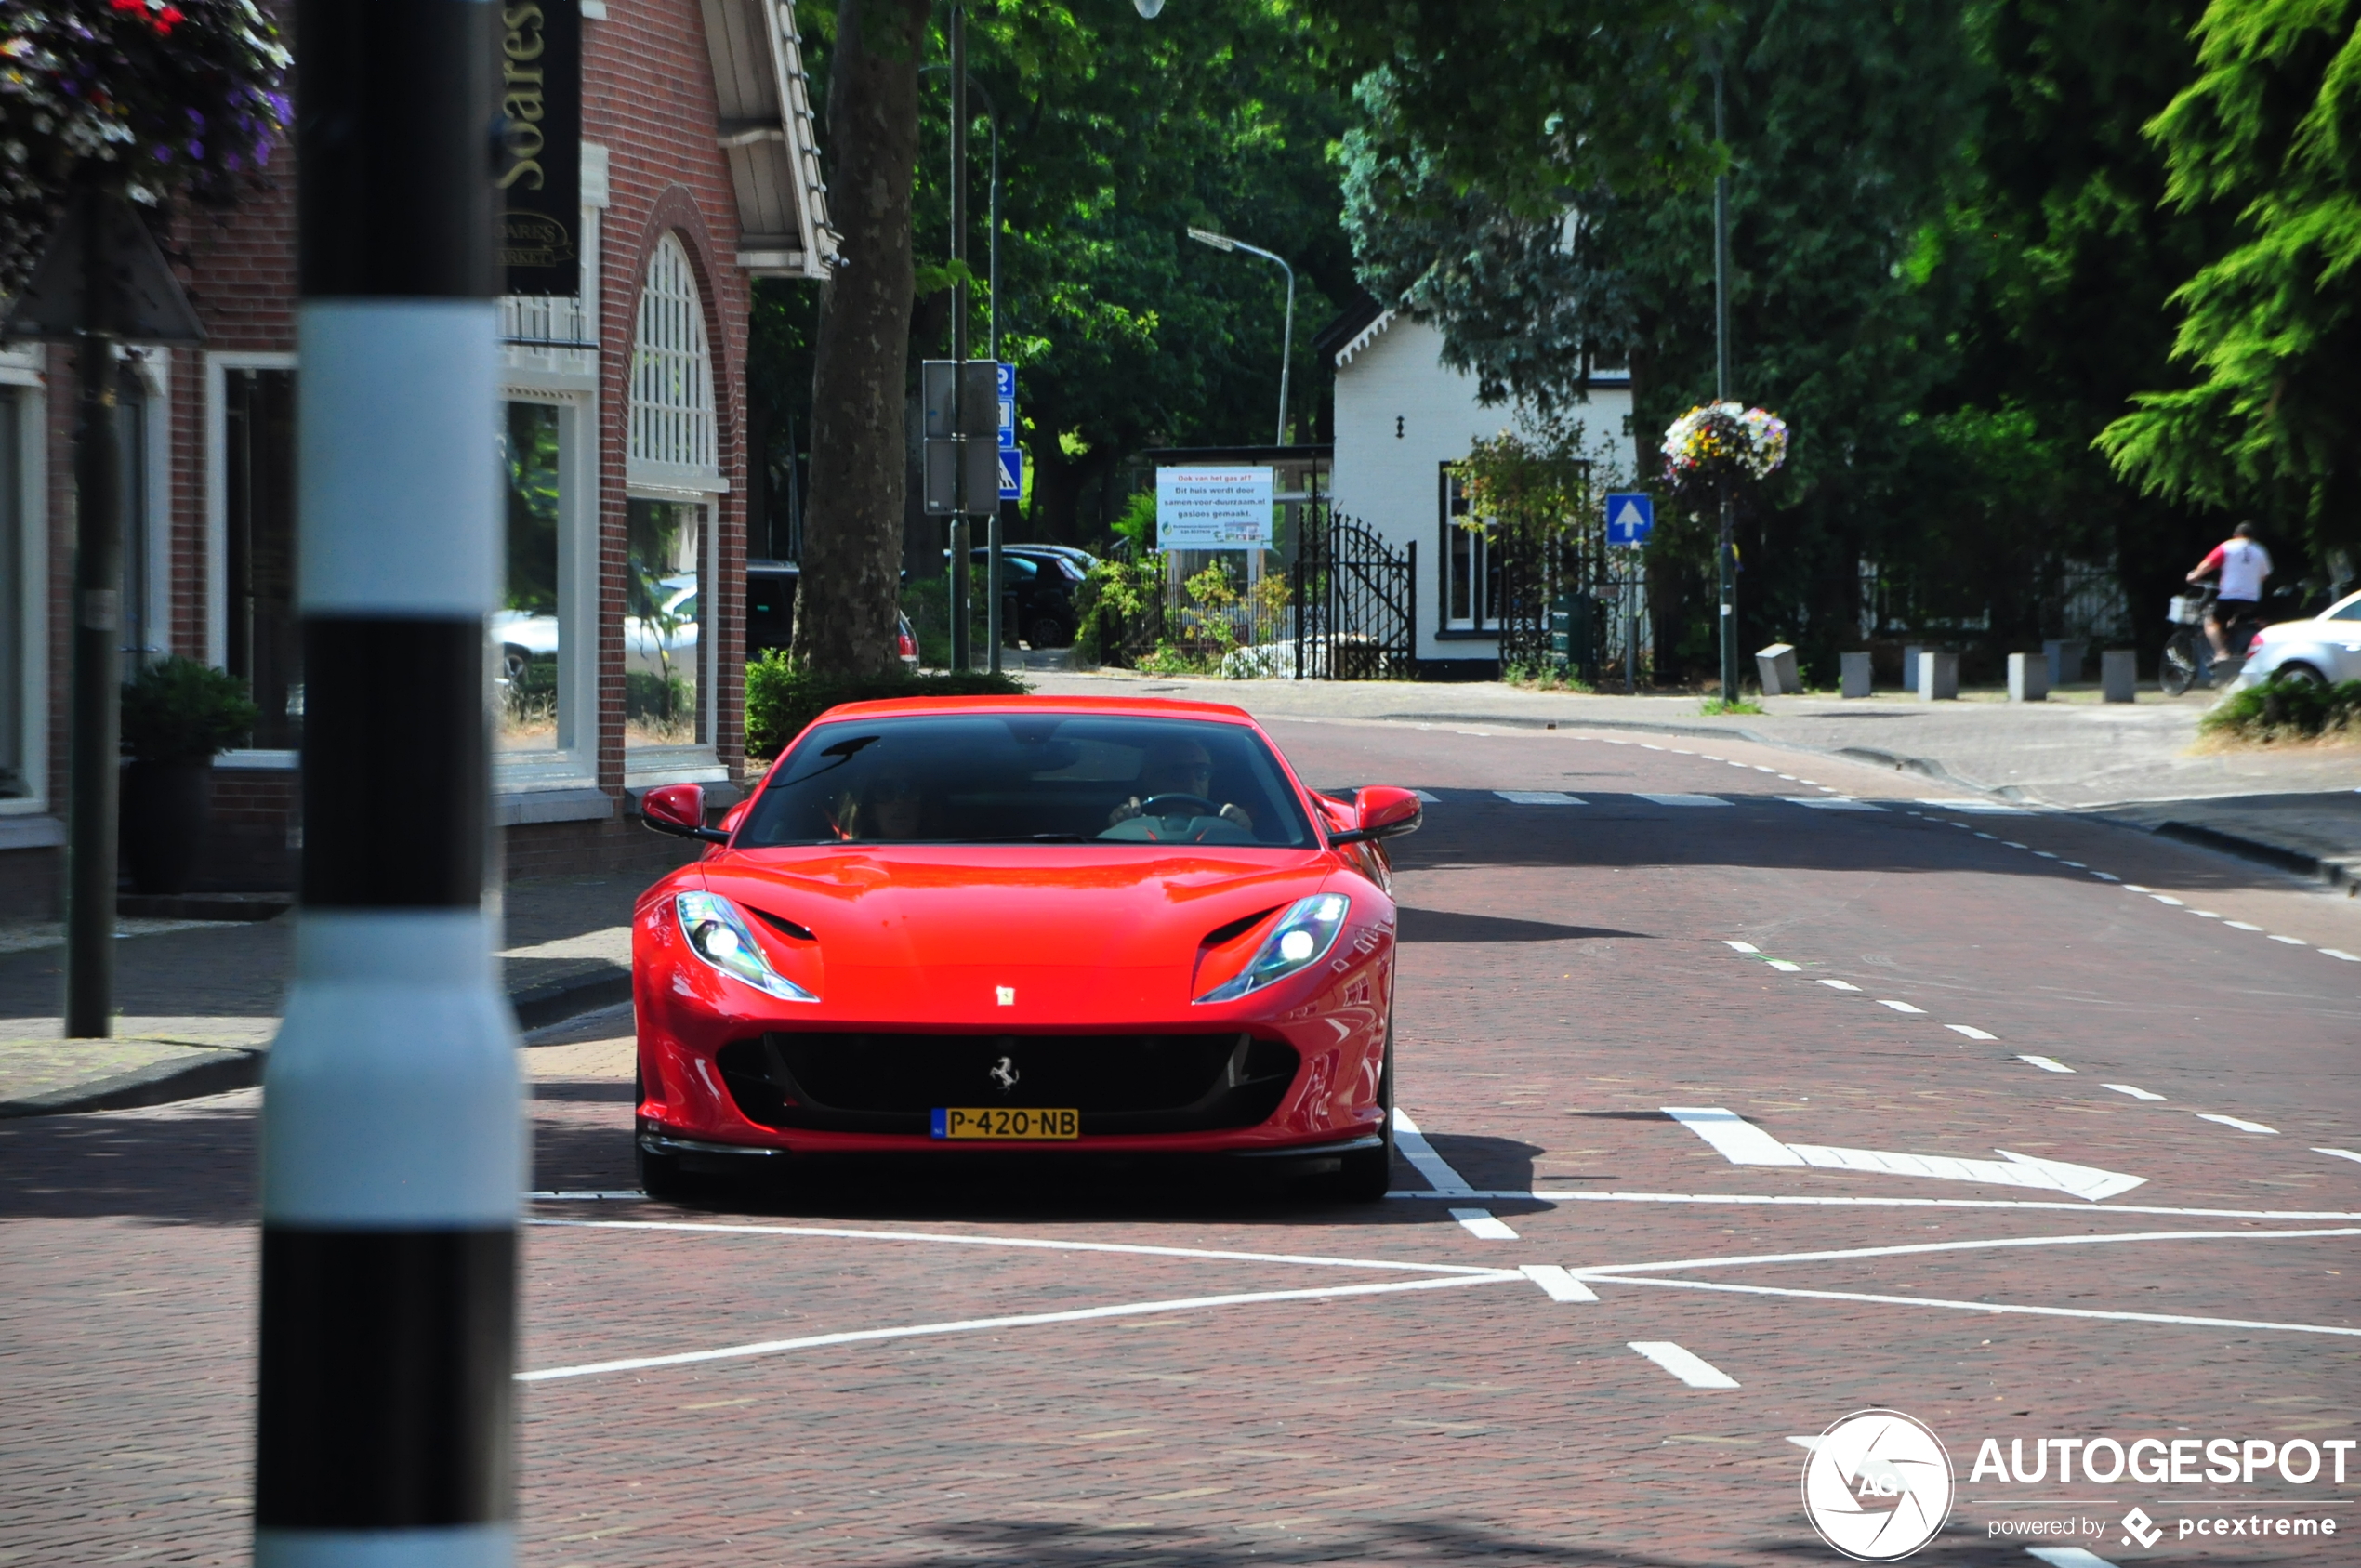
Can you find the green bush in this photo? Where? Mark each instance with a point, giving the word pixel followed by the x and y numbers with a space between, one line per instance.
pixel 180 710
pixel 782 699
pixel 2280 709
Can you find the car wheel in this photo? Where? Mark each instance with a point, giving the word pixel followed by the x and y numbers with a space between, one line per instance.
pixel 2300 675
pixel 1048 631
pixel 1367 1173
pixel 513 661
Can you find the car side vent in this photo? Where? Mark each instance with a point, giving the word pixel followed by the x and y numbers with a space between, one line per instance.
pixel 1220 934
pixel 780 922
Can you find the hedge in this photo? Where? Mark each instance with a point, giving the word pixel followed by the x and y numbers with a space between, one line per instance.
pixel 782 699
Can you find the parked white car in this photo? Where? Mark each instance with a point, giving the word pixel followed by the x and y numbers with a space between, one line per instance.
pixel 525 637
pixel 2325 648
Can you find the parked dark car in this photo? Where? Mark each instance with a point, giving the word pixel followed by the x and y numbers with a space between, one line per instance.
pixel 1036 591
pixel 771 590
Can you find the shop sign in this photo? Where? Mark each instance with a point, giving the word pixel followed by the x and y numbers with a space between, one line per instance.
pixel 539 170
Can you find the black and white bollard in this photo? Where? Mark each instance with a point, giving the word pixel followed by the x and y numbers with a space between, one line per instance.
pixel 392 1143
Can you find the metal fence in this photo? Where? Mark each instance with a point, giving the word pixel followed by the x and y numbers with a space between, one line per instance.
pixel 1355 603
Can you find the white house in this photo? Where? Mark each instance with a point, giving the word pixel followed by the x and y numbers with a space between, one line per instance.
pixel 1403 420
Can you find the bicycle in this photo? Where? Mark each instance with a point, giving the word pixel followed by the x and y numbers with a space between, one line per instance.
pixel 2188 658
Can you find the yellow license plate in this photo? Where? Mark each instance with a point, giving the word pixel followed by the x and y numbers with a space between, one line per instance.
pixel 997 1122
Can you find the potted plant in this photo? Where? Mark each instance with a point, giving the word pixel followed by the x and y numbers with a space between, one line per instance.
pixel 177 713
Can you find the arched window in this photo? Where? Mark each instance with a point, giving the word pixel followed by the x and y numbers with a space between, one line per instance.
pixel 671 367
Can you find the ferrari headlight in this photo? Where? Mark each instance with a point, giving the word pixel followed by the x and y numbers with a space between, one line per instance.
pixel 718 934
pixel 1302 938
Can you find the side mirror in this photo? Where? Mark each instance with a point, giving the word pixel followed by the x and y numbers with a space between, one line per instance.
pixel 1383 813
pixel 679 810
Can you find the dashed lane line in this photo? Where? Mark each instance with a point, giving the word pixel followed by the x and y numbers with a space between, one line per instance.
pixel 1683 799
pixel 2239 1122
pixel 1413 1146
pixel 1971 1030
pixel 1687 1365
pixel 2341 1153
pixel 2134 1091
pixel 1482 1224
pixel 1539 798
pixel 1898 1006
pixel 1560 1285
pixel 2046 1064
pixel 1800 1200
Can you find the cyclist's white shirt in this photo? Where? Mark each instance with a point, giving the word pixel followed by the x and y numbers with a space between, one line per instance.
pixel 2244 565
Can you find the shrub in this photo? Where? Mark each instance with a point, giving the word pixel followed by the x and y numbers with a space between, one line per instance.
pixel 2280 709
pixel 179 710
pixel 783 698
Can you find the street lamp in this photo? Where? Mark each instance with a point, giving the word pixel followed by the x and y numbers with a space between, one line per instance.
pixel 1224 243
pixel 1148 8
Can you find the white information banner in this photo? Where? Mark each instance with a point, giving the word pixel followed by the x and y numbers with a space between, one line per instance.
pixel 1225 509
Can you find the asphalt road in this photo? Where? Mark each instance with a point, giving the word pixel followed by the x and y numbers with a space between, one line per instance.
pixel 1978 1124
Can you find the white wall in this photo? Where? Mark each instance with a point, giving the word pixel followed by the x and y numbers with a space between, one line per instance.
pixel 1400 415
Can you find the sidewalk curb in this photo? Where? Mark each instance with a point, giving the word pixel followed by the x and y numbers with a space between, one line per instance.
pixel 234 1068
pixel 2333 874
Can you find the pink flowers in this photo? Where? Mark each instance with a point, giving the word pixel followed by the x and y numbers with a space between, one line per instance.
pixel 1718 441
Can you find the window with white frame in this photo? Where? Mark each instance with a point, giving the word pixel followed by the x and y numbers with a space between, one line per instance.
pixel 262 639
pixel 1471 564
pixel 16 624
pixel 529 627
pixel 671 368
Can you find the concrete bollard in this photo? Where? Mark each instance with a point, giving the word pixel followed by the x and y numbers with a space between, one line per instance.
pixel 1910 651
pixel 2066 655
pixel 1776 664
pixel 1855 674
pixel 1938 676
pixel 2119 674
pixel 2028 677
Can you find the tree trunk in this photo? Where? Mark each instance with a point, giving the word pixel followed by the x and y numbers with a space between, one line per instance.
pixel 852 529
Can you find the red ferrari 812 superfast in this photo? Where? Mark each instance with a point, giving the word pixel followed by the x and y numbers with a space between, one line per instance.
pixel 1053 923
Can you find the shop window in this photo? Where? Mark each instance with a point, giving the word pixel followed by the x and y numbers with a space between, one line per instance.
pixel 661 651
pixel 263 643
pixel 528 629
pixel 671 368
pixel 1471 566
pixel 16 629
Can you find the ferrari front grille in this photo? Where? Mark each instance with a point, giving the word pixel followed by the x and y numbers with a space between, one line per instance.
pixel 881 1082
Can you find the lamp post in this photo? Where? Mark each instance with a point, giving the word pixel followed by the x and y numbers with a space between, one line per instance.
pixel 1727 553
pixel 1224 243
pixel 960 86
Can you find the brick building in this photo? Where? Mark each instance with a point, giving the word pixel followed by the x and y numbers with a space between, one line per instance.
pixel 624 452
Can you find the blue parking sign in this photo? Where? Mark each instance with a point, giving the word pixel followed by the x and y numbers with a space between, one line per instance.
pixel 1631 517
pixel 1011 459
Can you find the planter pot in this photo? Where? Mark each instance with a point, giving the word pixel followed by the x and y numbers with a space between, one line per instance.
pixel 166 808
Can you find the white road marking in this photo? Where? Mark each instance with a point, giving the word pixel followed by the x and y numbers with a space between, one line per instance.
pixel 1833 803
pixel 1430 800
pixel 1994 836
pixel 1782 965
pixel 2341 952
pixel 1562 1286
pixel 1611 1271
pixel 1413 1146
pixel 1480 1223
pixel 1898 1006
pixel 2339 1154
pixel 1683 799
pixel 1791 1200
pixel 2014 845
pixel 2077 864
pixel 1645 746
pixel 2045 854
pixel 1022 1243
pixel 2205 914
pixel 2167 898
pixel 1971 1030
pixel 2104 877
pixel 2242 924
pixel 2291 942
pixel 1790 778
pixel 1687 1365
pixel 2133 1091
pixel 2046 1064
pixel 1740 946
pixel 1742 1143
pixel 1840 985
pixel 1990 807
pixel 1539 798
pixel 2068 1557
pixel 2135 887
pixel 2239 1122
pixel 1761 768
pixel 2005 1307
pixel 1021 1320
pixel 620 1195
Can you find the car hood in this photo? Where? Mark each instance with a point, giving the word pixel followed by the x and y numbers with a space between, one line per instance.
pixel 1072 937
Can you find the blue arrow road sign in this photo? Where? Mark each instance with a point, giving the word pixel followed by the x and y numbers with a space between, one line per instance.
pixel 1011 460
pixel 1631 516
pixel 1011 474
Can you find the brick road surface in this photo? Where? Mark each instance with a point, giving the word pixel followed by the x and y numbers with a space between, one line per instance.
pixel 1566 974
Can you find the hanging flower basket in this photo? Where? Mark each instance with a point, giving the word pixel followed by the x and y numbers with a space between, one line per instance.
pixel 1718 443
pixel 150 98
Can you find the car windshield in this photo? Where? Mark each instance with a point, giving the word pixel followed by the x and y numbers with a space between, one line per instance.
pixel 1028 778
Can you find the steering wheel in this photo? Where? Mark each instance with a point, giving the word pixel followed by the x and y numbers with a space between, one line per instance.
pixel 1167 806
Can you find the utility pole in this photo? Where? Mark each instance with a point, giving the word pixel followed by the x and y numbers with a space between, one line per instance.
pixel 94 765
pixel 962 635
pixel 392 1135
pixel 1727 552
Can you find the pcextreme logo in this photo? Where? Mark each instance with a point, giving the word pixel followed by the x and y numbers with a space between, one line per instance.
pixel 1877 1485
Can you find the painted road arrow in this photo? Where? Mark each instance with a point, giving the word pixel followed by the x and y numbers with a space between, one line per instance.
pixel 1742 1143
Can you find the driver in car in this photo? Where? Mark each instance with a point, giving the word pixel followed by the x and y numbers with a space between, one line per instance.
pixel 1177 767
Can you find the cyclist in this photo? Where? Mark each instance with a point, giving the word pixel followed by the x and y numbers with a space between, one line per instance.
pixel 2239 566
